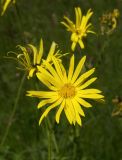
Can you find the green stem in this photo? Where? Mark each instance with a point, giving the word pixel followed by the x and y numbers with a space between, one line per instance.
pixel 13 112
pixel 76 144
pixel 53 136
pixel 18 12
pixel 49 144
pixel 19 17
pixel 19 20
pixel 104 46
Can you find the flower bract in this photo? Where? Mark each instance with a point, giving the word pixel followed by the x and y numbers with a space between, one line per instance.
pixel 108 22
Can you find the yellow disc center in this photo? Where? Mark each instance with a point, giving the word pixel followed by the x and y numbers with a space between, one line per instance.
pixel 67 91
pixel 80 32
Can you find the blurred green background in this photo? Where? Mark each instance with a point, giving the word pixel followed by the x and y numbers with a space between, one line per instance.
pixel 100 137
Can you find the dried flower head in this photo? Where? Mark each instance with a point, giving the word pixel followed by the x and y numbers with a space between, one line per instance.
pixel 108 22
pixel 118 106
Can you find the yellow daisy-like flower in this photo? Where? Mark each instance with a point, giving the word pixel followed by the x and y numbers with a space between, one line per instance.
pixel 5 5
pixel 66 91
pixel 30 57
pixel 80 28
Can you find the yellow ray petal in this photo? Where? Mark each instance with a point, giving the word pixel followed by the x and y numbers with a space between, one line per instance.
pixel 89 31
pixel 81 43
pixel 82 23
pixel 67 26
pixel 78 107
pixel 89 91
pixel 58 68
pixel 77 116
pixel 51 51
pixel 71 68
pixel 49 109
pixel 45 81
pixel 68 114
pixel 69 21
pixel 77 112
pixel 40 54
pixel 52 71
pixel 92 96
pixel 5 5
pixel 22 61
pixel 89 25
pixel 46 101
pixel 86 19
pixel 84 76
pixel 89 14
pixel 74 37
pixel 79 120
pixel 73 46
pixel 42 94
pixel 78 69
pixel 78 16
pixel 72 110
pixel 63 72
pixel 82 102
pixel 48 76
pixel 87 83
pixel 31 72
pixel 25 54
pixel 59 111
pixel 34 51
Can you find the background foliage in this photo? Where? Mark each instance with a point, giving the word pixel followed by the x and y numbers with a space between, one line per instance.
pixel 100 136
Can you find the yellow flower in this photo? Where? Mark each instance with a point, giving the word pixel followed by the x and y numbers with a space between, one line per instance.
pixel 5 5
pixel 30 57
pixel 80 29
pixel 66 92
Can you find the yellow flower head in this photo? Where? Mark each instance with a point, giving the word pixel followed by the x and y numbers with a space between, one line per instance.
pixel 5 5
pixel 66 91
pixel 108 22
pixel 80 28
pixel 30 57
